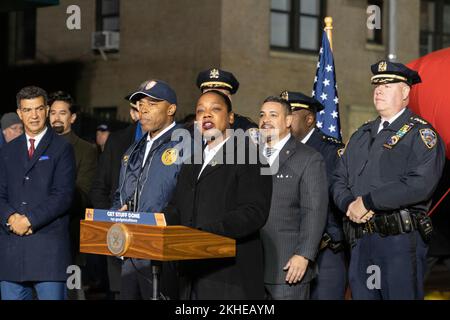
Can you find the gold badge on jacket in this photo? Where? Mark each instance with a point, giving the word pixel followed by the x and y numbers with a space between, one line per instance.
pixel 169 156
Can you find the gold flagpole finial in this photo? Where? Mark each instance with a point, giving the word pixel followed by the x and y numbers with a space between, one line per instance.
pixel 329 30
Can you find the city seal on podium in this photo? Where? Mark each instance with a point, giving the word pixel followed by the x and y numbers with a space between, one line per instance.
pixel 118 239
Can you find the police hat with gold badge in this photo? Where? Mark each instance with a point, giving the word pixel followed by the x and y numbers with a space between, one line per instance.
pixel 298 101
pixel 392 72
pixel 217 79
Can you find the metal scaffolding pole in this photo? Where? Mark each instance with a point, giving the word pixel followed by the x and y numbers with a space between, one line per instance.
pixel 392 54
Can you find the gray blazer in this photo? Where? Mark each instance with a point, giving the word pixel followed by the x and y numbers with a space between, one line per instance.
pixel 298 211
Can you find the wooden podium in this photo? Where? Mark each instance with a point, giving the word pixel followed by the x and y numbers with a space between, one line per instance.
pixel 153 243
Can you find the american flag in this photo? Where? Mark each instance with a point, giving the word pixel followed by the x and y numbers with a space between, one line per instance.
pixel 325 91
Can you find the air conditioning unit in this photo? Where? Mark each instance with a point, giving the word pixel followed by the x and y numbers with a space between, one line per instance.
pixel 105 40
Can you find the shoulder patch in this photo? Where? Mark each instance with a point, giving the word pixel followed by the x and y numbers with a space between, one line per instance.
pixel 419 120
pixel 169 156
pixel 429 137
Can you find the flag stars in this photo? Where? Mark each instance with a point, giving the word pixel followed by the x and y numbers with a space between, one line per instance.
pixel 326 82
pixel 336 100
pixel 322 112
pixel 321 50
pixel 334 114
pixel 319 124
pixel 313 93
pixel 318 65
pixel 324 96
pixel 315 79
pixel 329 68
pixel 332 128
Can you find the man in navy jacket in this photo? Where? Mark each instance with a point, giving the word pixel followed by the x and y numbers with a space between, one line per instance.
pixel 37 179
pixel 147 180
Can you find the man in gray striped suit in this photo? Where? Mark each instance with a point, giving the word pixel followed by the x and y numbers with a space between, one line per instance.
pixel 298 211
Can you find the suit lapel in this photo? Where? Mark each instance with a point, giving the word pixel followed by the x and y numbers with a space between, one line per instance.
pixel 287 151
pixel 218 160
pixel 23 151
pixel 42 147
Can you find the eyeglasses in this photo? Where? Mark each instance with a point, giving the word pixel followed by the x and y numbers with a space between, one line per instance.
pixel 28 110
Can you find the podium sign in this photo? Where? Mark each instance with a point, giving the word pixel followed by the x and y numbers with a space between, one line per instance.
pixel 129 217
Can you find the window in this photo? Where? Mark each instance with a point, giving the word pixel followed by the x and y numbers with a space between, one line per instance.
pixel 108 15
pixel 296 25
pixel 26 34
pixel 375 36
pixel 434 25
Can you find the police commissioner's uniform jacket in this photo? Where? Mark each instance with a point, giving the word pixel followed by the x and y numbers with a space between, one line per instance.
pixel 397 168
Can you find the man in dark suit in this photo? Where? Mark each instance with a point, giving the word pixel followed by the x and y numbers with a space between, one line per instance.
pixel 330 283
pixel 220 195
pixel 298 211
pixel 37 180
pixel 63 113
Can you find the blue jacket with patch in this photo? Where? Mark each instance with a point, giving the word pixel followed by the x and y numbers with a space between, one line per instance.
pixel 152 185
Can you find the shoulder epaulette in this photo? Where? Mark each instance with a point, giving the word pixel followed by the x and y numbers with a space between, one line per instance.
pixel 365 124
pixel 419 120
pixel 331 139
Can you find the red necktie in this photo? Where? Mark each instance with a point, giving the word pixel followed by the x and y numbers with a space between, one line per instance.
pixel 31 150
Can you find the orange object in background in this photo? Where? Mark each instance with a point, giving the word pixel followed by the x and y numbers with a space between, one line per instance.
pixel 431 98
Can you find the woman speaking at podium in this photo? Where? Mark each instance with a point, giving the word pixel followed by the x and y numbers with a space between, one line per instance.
pixel 217 193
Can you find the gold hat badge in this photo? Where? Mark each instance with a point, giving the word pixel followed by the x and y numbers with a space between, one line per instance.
pixel 214 74
pixel 382 66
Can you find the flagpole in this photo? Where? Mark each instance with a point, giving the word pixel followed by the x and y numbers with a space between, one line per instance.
pixel 329 30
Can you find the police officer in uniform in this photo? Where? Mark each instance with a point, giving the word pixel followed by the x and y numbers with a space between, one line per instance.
pixel 384 182
pixel 227 83
pixel 331 281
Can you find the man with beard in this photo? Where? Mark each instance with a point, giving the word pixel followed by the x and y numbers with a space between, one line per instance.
pixel 63 114
pixel 298 211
